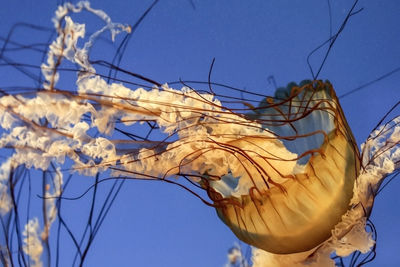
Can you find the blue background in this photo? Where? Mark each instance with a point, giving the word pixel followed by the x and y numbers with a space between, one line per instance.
pixel 155 224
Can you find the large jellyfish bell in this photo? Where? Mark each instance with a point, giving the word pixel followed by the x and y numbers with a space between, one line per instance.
pixel 291 188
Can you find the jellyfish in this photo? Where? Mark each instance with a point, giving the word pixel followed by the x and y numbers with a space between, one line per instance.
pixel 284 173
